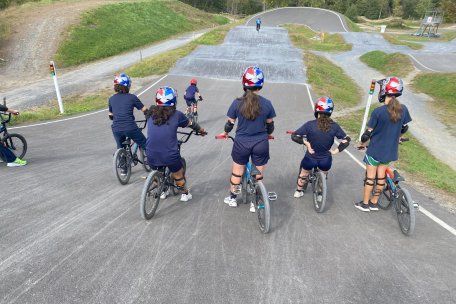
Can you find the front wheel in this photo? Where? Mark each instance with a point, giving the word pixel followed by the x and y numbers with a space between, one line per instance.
pixel 122 166
pixel 262 207
pixel 319 191
pixel 150 195
pixel 405 212
pixel 16 143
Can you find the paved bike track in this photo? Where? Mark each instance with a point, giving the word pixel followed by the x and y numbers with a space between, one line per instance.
pixel 71 234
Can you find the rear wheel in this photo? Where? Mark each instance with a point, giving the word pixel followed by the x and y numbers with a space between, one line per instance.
pixel 319 191
pixel 171 179
pixel 122 166
pixel 405 212
pixel 17 144
pixel 150 196
pixel 262 207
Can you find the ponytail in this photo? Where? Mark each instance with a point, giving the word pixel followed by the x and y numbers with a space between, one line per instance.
pixel 394 109
pixel 250 105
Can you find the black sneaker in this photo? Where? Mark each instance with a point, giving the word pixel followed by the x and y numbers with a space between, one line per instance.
pixel 373 207
pixel 363 207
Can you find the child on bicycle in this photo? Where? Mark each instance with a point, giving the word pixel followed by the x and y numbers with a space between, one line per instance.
pixel 254 115
pixel 121 106
pixel 5 153
pixel 162 145
pixel 383 132
pixel 190 97
pixel 318 136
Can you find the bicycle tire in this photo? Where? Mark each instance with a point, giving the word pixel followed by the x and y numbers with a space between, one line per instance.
pixel 319 191
pixel 16 143
pixel 262 207
pixel 144 160
pixel 406 215
pixel 171 179
pixel 384 201
pixel 150 195
pixel 120 160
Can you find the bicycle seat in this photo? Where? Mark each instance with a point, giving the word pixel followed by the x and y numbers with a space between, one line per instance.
pixel 397 177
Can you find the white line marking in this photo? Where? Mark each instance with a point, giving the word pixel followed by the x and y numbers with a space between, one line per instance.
pixel 416 60
pixel 424 211
pixel 84 115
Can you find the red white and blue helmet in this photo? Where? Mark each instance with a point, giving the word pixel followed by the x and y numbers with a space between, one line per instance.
pixel 324 105
pixel 390 86
pixel 123 80
pixel 253 78
pixel 166 97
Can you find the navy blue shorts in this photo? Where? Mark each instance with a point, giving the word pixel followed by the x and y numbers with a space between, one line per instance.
pixel 308 163
pixel 190 101
pixel 174 167
pixel 258 150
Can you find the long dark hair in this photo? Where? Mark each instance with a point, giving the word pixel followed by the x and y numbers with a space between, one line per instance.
pixel 250 106
pixel 324 122
pixel 160 114
pixel 394 109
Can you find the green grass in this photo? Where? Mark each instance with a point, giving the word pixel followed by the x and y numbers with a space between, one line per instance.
pixel 396 64
pixel 115 28
pixel 441 87
pixel 327 79
pixel 402 40
pixel 302 37
pixel 72 105
pixel 414 158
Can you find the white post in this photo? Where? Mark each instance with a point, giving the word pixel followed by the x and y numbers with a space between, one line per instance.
pixel 366 112
pixel 57 89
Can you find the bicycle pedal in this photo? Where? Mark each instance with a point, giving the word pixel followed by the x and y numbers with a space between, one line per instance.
pixel 272 196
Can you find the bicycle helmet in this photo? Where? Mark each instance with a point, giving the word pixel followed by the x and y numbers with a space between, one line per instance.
pixel 123 80
pixel 390 86
pixel 253 78
pixel 324 105
pixel 193 81
pixel 166 97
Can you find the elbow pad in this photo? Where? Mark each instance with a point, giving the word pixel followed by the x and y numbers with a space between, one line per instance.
pixel 366 136
pixel 229 126
pixel 297 139
pixel 343 145
pixel 404 129
pixel 270 127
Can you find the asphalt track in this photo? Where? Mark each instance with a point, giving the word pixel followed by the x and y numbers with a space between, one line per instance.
pixel 71 234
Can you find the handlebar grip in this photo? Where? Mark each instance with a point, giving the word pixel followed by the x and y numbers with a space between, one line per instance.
pixel 290 132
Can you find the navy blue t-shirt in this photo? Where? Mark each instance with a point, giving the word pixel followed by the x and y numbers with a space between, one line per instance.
pixel 252 129
pixel 162 148
pixel 190 92
pixel 321 142
pixel 384 142
pixel 121 105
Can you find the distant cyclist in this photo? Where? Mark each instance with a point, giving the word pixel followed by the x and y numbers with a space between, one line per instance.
pixel 387 123
pixel 254 115
pixel 318 136
pixel 5 153
pixel 258 24
pixel 121 107
pixel 162 146
pixel 191 93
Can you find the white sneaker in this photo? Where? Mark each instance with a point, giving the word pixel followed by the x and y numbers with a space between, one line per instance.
pixel 252 207
pixel 230 201
pixel 298 194
pixel 186 197
pixel 164 194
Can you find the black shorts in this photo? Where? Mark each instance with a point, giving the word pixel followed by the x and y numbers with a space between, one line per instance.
pixel 258 150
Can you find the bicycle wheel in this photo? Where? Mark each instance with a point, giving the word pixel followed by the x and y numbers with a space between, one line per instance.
pixel 405 212
pixel 319 191
pixel 262 207
pixel 171 179
pixel 150 195
pixel 121 166
pixel 384 201
pixel 144 160
pixel 16 143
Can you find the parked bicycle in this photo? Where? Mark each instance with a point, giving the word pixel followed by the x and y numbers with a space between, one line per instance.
pixel 127 157
pixel 13 141
pixel 160 181
pixel 253 190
